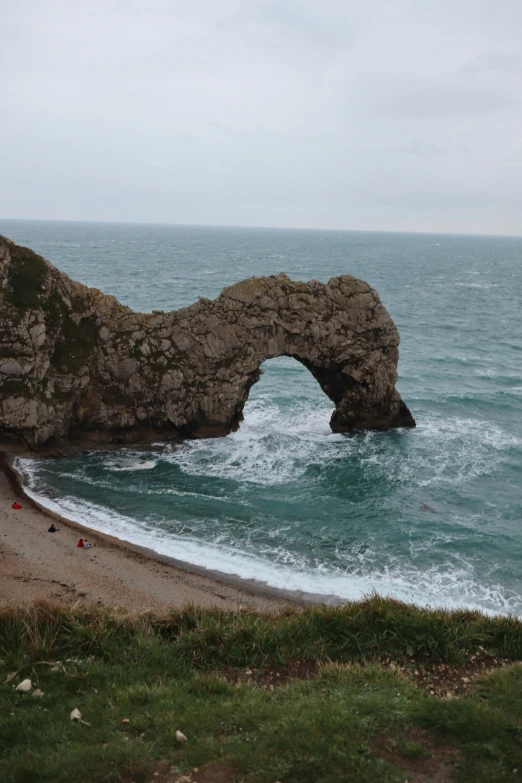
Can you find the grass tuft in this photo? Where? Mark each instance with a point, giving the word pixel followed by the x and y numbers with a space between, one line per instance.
pixel 137 679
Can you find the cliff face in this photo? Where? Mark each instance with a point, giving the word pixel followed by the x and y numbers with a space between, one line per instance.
pixel 77 367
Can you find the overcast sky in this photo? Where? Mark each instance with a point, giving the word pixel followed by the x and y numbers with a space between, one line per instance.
pixel 398 115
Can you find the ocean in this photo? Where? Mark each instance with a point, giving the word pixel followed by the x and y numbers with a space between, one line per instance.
pixel 431 516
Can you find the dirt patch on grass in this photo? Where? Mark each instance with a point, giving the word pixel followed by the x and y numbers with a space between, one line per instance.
pixel 213 773
pixel 272 676
pixel 443 680
pixel 448 680
pixel 164 772
pixel 422 757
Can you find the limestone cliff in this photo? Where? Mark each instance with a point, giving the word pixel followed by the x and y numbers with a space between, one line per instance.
pixel 77 367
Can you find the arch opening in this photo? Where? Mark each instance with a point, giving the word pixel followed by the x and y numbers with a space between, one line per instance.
pixel 286 395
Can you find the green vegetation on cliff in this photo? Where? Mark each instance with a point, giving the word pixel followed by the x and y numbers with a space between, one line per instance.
pixel 27 275
pixel 319 695
pixel 76 344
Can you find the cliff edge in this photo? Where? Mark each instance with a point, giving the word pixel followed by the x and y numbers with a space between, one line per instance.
pixel 79 369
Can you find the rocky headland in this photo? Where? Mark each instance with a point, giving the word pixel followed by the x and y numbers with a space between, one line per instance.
pixel 80 370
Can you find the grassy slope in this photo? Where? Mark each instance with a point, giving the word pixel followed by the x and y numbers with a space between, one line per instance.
pixel 358 722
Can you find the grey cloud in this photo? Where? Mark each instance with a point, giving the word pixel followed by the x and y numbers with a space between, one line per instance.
pixel 423 199
pixel 295 19
pixel 337 114
pixel 407 97
pixel 421 149
pixel 492 62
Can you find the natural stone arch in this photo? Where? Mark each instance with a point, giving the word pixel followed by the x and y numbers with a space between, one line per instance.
pixel 79 367
pixel 339 331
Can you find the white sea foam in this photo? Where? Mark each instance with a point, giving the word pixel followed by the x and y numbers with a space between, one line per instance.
pixel 432 587
pixel 276 564
pixel 271 446
pixel 276 446
pixel 477 285
pixel 130 464
pixel 468 449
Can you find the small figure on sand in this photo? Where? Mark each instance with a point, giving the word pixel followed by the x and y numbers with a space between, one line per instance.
pixel 53 529
pixel 84 544
pixel 16 505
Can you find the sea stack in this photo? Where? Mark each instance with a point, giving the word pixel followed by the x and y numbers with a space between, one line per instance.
pixel 80 370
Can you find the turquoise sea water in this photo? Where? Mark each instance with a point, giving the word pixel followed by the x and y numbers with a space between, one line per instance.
pixel 432 515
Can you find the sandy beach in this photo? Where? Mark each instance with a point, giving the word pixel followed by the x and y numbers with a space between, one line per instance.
pixel 37 564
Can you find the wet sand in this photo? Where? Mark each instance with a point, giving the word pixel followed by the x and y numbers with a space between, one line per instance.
pixel 37 564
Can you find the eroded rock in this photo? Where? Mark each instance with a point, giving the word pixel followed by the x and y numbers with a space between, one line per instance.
pixel 77 367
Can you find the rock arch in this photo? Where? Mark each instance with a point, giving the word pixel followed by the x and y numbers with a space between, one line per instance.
pixel 78 367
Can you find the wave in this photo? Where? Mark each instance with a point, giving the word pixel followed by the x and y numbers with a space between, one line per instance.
pixel 284 446
pixel 431 588
pixel 272 446
pixel 128 464
pixel 477 285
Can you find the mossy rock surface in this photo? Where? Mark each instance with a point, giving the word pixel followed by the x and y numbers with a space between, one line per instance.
pixel 76 344
pixel 27 275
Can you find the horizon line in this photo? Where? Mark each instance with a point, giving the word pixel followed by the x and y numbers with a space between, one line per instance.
pixel 261 228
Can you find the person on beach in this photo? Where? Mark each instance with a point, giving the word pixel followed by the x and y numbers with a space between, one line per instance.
pixel 53 529
pixel 16 505
pixel 80 543
pixel 86 545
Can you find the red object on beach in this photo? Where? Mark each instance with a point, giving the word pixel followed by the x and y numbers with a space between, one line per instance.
pixel 80 543
pixel 16 505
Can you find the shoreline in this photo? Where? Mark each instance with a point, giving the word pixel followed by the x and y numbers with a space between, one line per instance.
pixel 132 576
pixel 118 571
